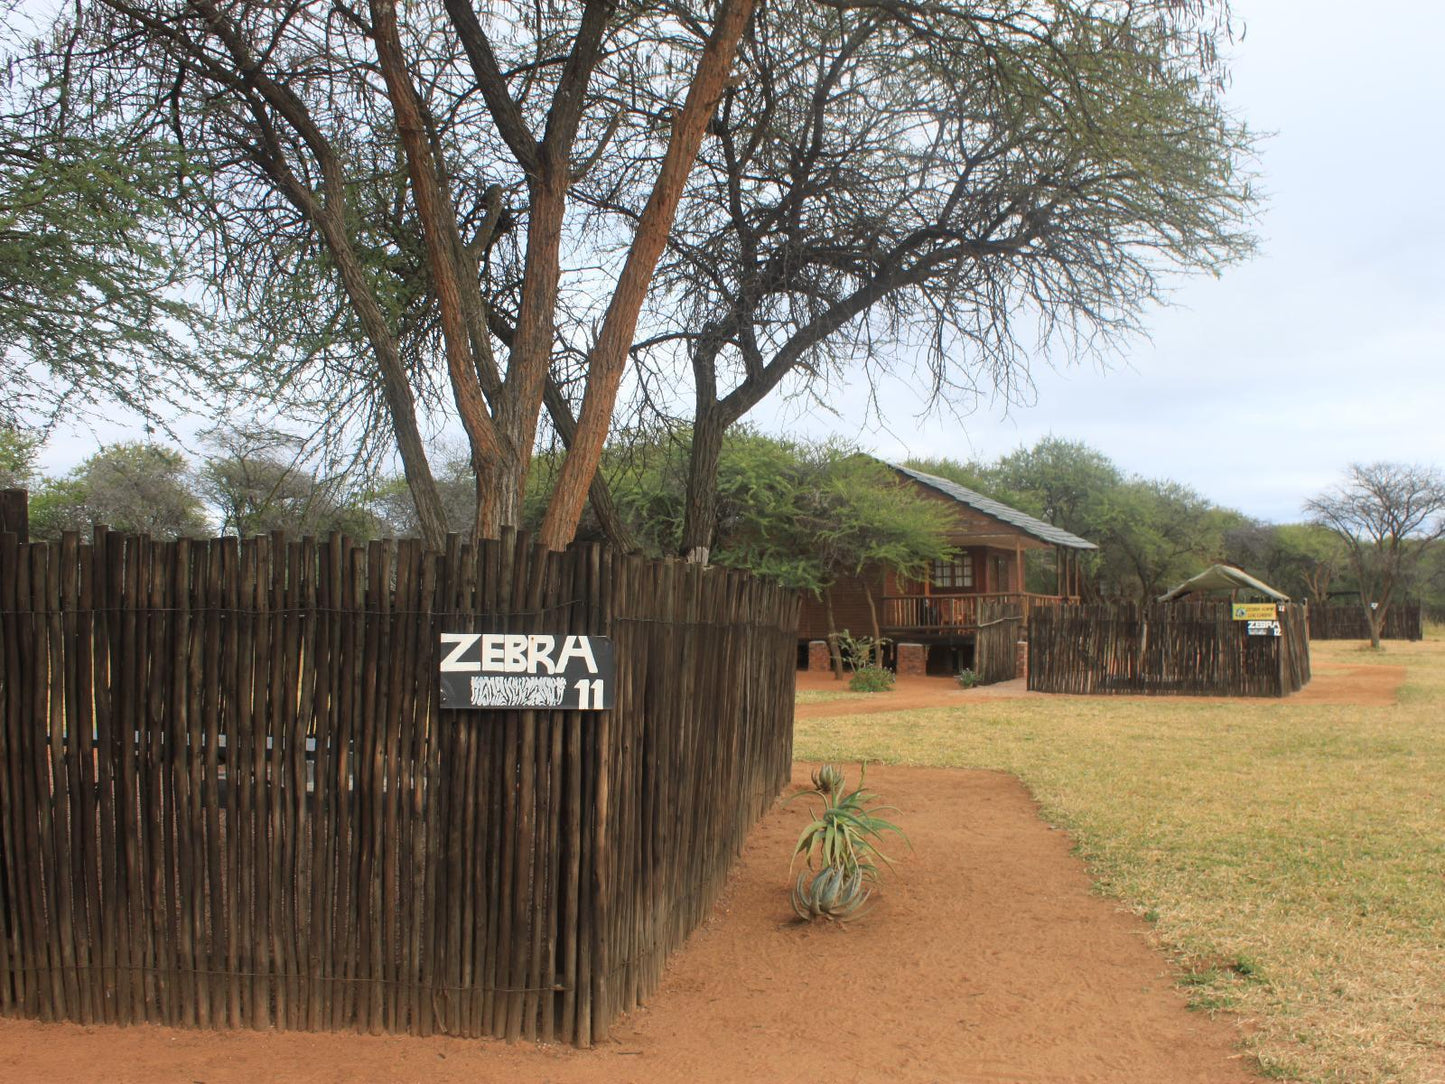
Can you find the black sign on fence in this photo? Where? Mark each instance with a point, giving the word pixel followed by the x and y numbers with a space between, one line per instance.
pixel 512 670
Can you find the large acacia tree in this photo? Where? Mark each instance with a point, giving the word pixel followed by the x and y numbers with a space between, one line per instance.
pixel 375 157
pixel 946 191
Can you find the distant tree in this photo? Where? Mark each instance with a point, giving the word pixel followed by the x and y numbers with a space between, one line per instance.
pixel 1061 481
pixel 1429 583
pixel 18 452
pixel 1387 515
pixel 1301 559
pixel 257 481
pixel 140 488
pixel 1153 533
pixel 394 504
pixel 980 477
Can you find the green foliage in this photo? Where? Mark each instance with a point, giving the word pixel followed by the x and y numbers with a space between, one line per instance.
pixel 18 451
pixel 1058 480
pixel 973 475
pixel 1303 560
pixel 872 679
pixel 141 488
pixel 966 678
pixel 1156 533
pixel 860 652
pixel 803 514
pixel 840 847
pixel 91 300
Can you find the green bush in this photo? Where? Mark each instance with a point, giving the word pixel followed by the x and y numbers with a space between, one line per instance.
pixel 967 678
pixel 871 679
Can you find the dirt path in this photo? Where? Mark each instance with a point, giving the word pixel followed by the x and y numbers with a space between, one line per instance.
pixel 986 958
pixel 1332 683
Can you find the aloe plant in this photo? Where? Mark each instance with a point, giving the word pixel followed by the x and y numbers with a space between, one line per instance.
pixel 840 846
pixel 830 893
pixel 827 779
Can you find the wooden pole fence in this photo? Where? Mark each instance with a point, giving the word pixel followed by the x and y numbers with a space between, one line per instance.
pixel 1188 648
pixel 229 797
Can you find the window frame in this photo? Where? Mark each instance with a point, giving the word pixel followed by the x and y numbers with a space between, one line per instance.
pixel 953 574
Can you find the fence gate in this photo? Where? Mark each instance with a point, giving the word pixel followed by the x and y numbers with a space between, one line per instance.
pixel 995 652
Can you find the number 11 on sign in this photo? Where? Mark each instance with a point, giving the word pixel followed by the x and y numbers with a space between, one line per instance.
pixel 589 694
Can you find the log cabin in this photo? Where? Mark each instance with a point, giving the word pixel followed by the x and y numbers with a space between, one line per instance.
pixel 940 611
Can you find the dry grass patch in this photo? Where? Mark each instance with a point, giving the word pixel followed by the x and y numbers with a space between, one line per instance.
pixel 1290 855
pixel 819 696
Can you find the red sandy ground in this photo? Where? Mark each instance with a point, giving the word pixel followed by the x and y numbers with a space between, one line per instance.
pixel 1332 683
pixel 985 958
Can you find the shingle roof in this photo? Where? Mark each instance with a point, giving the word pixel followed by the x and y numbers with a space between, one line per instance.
pixel 1037 528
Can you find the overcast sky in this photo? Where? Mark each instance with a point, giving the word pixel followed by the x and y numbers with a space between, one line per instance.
pixel 1260 387
pixel 1327 348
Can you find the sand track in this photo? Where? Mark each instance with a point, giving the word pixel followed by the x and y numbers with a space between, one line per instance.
pixel 986 958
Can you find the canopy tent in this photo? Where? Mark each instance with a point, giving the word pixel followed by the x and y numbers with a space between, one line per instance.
pixel 1223 578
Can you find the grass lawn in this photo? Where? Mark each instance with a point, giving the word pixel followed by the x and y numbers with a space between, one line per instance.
pixel 820 696
pixel 1291 856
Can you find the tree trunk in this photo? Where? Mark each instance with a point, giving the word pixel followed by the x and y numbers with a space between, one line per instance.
pixel 493 458
pixel 400 403
pixel 499 496
pixel 877 652
pixel 600 494
pixel 835 653
pixel 530 357
pixel 699 524
pixel 608 357
pixel 1374 621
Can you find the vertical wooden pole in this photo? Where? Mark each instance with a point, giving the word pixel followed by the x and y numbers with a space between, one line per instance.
pixel 15 514
pixel 15 972
pixel 76 715
pixel 601 842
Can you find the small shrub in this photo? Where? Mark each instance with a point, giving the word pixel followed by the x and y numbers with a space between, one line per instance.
pixel 967 678
pixel 871 679
pixel 860 652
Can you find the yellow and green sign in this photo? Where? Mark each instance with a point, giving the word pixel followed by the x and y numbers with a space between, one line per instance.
pixel 1255 611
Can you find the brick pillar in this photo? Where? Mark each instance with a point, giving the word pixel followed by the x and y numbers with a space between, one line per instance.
pixel 818 657
pixel 912 660
pixel 1021 660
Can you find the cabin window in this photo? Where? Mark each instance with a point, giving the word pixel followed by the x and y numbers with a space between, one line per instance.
pixel 955 573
